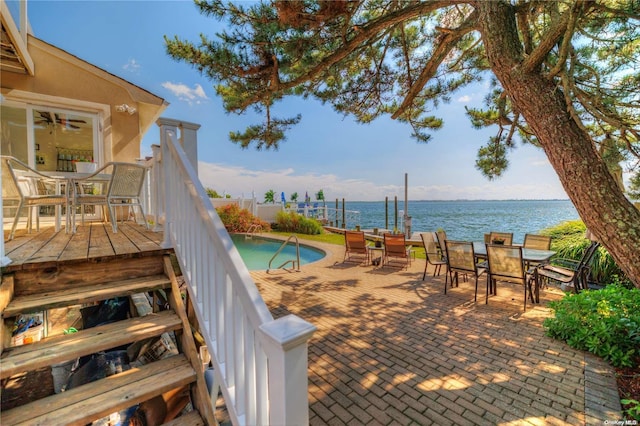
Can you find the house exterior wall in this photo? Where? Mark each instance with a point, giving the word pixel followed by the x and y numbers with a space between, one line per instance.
pixel 65 81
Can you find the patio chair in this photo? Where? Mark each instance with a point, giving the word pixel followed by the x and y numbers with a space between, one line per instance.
pixel 538 242
pixel 441 235
pixel 505 237
pixel 461 259
pixel 396 252
pixel 569 272
pixel 505 263
pixel 114 185
pixel 356 248
pixel 23 186
pixel 432 252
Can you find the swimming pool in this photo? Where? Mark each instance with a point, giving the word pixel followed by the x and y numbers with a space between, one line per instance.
pixel 256 252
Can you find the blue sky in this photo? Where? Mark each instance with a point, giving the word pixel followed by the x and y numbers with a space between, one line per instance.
pixel 324 151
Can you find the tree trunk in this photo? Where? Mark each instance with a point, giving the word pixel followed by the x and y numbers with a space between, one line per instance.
pixel 593 190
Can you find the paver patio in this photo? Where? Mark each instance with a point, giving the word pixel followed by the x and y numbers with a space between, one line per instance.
pixel 393 349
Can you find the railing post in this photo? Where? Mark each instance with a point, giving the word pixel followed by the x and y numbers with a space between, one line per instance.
pixel 4 260
pixel 285 341
pixel 167 131
pixel 157 188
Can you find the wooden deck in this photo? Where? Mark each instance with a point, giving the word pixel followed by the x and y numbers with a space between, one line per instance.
pixel 93 242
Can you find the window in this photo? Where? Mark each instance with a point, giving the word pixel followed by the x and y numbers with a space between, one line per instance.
pixel 13 126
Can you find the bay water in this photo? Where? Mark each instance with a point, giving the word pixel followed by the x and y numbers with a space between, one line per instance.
pixel 462 220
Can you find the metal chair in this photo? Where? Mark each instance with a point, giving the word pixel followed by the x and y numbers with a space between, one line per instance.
pixel 461 259
pixel 23 186
pixel 573 273
pixel 505 263
pixel 432 252
pixel 114 185
pixel 538 242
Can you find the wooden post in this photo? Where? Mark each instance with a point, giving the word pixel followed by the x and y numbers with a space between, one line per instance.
pixel 344 221
pixel 337 221
pixel 395 216
pixel 386 212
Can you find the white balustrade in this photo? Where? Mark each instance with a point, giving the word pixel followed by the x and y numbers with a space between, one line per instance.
pixel 259 363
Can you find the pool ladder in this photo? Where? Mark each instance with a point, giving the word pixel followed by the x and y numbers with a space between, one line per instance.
pixel 294 262
pixel 253 229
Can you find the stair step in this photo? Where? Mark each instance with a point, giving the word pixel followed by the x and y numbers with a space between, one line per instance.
pixel 57 349
pixel 83 294
pixel 81 405
pixel 192 418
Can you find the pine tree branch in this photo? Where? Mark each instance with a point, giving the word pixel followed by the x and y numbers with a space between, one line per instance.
pixel 361 35
pixel 447 43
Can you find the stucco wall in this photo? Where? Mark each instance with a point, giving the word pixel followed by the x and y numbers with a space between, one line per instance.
pixel 61 75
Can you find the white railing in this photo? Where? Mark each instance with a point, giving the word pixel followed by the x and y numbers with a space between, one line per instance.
pixel 260 364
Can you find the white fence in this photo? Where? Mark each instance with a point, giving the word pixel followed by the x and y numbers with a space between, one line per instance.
pixel 260 364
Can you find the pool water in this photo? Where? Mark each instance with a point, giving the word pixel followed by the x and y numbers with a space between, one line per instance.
pixel 256 252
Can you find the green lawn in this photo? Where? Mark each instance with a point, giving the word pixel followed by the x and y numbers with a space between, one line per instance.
pixel 337 239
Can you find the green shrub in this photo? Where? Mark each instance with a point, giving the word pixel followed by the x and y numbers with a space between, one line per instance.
pixel 294 222
pixel 604 322
pixel 236 219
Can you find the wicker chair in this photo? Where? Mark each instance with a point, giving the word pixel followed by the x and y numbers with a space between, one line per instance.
pixel 114 185
pixel 23 186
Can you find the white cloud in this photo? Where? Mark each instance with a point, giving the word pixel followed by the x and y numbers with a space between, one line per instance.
pixel 238 181
pixel 464 99
pixel 132 66
pixel 185 93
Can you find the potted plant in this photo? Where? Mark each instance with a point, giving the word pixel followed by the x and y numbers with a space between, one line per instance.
pixel 85 166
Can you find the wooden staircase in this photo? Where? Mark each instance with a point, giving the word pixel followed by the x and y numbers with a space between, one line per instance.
pixel 92 401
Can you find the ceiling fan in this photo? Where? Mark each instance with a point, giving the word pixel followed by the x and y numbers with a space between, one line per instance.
pixel 53 119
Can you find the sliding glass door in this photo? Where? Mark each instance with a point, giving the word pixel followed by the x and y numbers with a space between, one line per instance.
pixel 49 139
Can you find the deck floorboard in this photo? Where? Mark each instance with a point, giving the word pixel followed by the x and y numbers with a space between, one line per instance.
pixel 92 241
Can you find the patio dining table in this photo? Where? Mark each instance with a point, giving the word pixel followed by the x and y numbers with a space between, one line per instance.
pixel 528 255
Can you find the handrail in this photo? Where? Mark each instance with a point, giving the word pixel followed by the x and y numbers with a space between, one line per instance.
pixel 260 364
pixel 252 229
pixel 292 261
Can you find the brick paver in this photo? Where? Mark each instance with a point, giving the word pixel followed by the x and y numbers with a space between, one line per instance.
pixel 393 349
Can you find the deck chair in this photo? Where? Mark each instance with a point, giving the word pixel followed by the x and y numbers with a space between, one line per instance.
pixel 23 186
pixel 505 237
pixel 114 185
pixel 396 252
pixel 505 263
pixel 356 248
pixel 432 252
pixel 461 259
pixel 568 271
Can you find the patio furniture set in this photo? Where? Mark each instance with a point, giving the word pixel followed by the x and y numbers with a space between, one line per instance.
pixel 116 184
pixel 531 264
